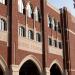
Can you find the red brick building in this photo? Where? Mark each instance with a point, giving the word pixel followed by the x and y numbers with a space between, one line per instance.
pixel 36 38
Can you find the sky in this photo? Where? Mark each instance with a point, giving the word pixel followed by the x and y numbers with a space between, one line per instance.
pixel 61 3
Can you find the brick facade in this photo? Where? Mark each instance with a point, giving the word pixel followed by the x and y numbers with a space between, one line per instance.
pixel 16 50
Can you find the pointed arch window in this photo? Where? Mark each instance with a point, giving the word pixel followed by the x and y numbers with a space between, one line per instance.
pixel 49 22
pixel 30 34
pixel 59 27
pixel 29 10
pixel 3 1
pixel 21 6
pixel 3 25
pixel 22 31
pixel 37 14
pixel 38 37
pixel 53 24
pixel 60 45
pixel 50 41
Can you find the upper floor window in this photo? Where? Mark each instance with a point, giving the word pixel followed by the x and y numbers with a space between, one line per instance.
pixel 60 45
pixel 59 27
pixel 53 23
pixel 55 43
pixel 38 37
pixel 3 1
pixel 30 34
pixel 21 6
pixel 50 41
pixel 55 26
pixel 29 10
pixel 22 31
pixel 49 22
pixel 37 14
pixel 3 25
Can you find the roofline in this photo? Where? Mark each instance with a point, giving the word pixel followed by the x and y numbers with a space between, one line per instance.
pixel 53 7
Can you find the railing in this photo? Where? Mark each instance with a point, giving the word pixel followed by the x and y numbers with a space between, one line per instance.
pixel 29 45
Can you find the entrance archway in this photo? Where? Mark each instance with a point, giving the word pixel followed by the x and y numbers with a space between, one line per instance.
pixel 55 70
pixel 29 68
pixel 1 71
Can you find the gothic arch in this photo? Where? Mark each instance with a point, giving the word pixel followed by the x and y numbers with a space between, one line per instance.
pixel 32 58
pixel 3 66
pixel 57 63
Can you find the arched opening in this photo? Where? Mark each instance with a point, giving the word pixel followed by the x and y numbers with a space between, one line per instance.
pixel 30 34
pixel 1 71
pixel 29 68
pixel 55 70
pixel 22 31
pixel 38 37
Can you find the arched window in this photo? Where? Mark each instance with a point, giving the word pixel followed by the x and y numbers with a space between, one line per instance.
pixel 49 22
pixel 50 41
pixel 59 27
pixel 37 14
pixel 21 6
pixel 30 34
pixel 3 25
pixel 55 43
pixel 22 31
pixel 3 1
pixel 38 37
pixel 29 10
pixel 60 45
pixel 53 24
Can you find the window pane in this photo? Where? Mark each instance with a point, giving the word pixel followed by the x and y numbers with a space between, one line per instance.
pixel 29 10
pixel 60 45
pixel 20 6
pixel 0 25
pixel 38 37
pixel 49 22
pixel 50 41
pixel 55 43
pixel 31 34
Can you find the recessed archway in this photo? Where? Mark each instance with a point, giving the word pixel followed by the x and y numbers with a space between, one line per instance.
pixel 1 71
pixel 29 68
pixel 3 66
pixel 55 70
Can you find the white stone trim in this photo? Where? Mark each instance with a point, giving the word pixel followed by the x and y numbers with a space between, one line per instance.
pixel 3 17
pixel 3 65
pixel 4 36
pixel 56 62
pixel 29 45
pixel 34 59
pixel 56 51
pixel 72 69
pixel 72 32
pixel 47 71
pixel 14 70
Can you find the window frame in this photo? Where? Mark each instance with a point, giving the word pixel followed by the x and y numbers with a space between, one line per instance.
pixel 38 37
pixel 3 24
pixel 22 31
pixel 30 34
